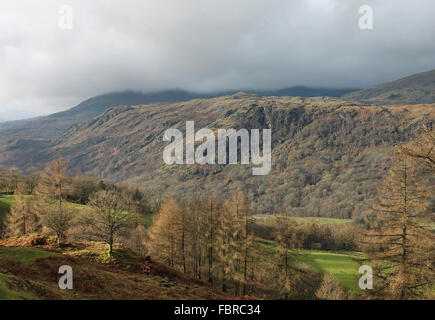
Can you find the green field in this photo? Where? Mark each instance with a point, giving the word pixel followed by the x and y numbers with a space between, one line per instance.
pixel 344 266
pixel 5 203
pixel 329 221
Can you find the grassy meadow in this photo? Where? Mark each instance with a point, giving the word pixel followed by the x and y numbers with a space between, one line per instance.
pixel 264 218
pixel 343 265
pixel 5 203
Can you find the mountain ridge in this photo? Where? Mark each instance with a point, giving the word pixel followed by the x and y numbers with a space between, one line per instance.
pixel 93 106
pixel 414 89
pixel 328 155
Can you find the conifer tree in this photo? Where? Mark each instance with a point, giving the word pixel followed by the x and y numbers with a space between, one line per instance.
pixel 400 246
pixel 288 240
pixel 330 289
pixel 56 183
pixel 24 217
pixel 165 235
pixel 422 149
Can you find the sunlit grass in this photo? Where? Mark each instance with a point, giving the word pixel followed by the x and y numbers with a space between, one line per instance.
pixel 344 266
pixel 320 220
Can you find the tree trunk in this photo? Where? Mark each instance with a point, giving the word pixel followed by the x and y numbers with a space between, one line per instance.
pixel 111 245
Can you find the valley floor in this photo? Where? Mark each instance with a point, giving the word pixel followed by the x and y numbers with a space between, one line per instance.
pixel 343 265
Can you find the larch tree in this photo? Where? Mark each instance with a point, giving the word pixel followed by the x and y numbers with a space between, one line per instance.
pixel 247 240
pixel 288 239
pixel 24 217
pixel 330 289
pixel 234 242
pixel 195 227
pixel 55 181
pixel 400 247
pixel 9 179
pixel 165 233
pixel 228 249
pixel 422 149
pixel 211 217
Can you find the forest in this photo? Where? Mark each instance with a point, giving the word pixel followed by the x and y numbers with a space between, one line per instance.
pixel 222 240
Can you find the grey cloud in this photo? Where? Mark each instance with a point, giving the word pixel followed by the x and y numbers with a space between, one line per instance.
pixel 203 46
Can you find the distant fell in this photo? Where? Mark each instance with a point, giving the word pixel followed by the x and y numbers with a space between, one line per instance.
pixel 50 127
pixel 301 91
pixel 415 89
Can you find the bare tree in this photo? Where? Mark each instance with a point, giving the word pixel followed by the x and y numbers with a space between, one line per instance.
pixel 28 182
pixel 58 221
pixel 107 220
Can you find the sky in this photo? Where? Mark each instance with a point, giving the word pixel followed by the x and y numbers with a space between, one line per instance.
pixel 55 54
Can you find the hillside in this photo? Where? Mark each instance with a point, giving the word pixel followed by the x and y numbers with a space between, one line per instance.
pixel 415 89
pixel 29 271
pixel 328 154
pixel 32 273
pixel 49 127
pixel 21 138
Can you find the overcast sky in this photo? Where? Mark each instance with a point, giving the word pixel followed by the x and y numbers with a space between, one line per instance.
pixel 202 45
